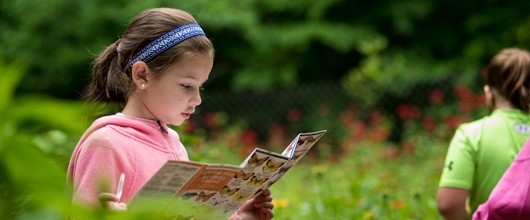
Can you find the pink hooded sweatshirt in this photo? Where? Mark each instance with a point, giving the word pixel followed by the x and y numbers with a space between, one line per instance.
pixel 510 199
pixel 118 144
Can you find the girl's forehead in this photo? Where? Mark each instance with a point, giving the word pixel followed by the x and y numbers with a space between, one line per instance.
pixel 195 67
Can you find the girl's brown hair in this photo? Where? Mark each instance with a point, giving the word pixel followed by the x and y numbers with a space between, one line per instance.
pixel 509 73
pixel 111 72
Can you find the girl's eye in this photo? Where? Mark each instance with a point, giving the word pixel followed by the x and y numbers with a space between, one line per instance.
pixel 186 86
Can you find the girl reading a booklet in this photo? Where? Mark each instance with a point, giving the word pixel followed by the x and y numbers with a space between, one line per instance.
pixel 156 70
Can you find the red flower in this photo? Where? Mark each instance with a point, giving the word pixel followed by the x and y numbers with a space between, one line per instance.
pixel 347 117
pixel 211 120
pixel 452 122
pixel 406 112
pixel 436 96
pixel 189 127
pixel 375 118
pixel 379 134
pixel 402 112
pixel 480 100
pixel 359 130
pixel 250 138
pixel 462 92
pixel 428 124
pixel 465 107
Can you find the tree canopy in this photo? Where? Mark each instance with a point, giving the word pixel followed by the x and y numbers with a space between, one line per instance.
pixel 269 44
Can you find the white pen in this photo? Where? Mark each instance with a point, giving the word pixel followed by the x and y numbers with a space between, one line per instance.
pixel 120 187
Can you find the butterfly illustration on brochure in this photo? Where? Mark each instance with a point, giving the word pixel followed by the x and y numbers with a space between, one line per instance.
pixel 223 188
pixel 227 191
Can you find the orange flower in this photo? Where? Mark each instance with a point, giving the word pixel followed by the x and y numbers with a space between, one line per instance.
pixel 397 204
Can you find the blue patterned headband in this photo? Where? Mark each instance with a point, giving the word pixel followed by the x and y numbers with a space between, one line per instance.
pixel 167 41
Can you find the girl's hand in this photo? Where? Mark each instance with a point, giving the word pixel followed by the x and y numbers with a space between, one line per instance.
pixel 110 201
pixel 259 208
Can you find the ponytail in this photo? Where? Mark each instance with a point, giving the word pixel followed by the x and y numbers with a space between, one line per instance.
pixel 519 94
pixel 109 81
pixel 523 99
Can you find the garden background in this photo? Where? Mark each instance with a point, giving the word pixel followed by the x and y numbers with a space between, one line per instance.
pixel 389 80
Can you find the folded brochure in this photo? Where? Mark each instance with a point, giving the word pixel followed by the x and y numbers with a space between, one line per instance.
pixel 185 189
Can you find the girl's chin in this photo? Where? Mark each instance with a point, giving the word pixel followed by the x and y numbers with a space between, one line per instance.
pixel 177 122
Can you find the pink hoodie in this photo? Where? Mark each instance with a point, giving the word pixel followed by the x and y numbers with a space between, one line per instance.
pixel 510 199
pixel 118 144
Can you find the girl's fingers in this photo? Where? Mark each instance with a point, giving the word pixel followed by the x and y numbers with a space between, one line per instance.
pixel 110 201
pixel 264 196
pixel 117 206
pixel 265 214
pixel 266 192
pixel 104 198
pixel 266 205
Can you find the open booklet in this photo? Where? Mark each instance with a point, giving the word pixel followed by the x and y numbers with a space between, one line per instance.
pixel 192 190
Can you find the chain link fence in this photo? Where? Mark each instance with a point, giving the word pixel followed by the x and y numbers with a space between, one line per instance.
pixel 318 106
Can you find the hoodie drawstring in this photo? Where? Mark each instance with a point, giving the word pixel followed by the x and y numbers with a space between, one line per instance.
pixel 161 127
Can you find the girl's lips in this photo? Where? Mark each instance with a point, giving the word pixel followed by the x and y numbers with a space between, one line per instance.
pixel 186 115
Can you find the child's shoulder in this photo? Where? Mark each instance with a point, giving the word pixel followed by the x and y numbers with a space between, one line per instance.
pixel 102 135
pixel 101 129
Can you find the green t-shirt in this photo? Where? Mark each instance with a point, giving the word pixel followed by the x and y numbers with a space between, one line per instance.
pixel 482 150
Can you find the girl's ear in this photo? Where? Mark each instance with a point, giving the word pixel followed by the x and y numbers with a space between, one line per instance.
pixel 489 97
pixel 487 94
pixel 141 74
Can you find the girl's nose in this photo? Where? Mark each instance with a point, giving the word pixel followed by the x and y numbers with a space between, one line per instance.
pixel 197 100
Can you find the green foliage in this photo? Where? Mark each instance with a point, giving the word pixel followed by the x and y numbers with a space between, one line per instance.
pixel 269 44
pixel 396 74
pixel 20 188
pixel 363 184
pixel 10 78
pixel 36 138
pixel 58 39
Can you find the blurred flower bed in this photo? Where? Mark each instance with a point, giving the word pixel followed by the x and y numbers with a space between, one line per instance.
pixel 347 127
pixel 354 173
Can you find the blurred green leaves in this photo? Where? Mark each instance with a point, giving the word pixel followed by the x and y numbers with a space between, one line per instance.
pixel 11 75
pixel 36 138
pixel 265 44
